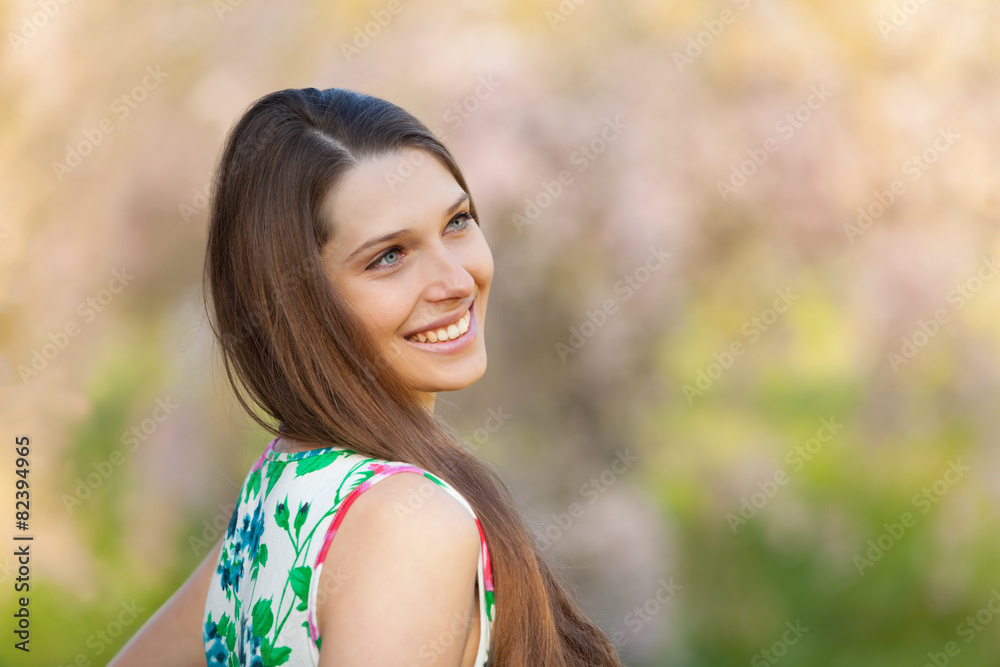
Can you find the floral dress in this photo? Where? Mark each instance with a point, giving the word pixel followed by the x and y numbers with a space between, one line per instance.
pixel 260 609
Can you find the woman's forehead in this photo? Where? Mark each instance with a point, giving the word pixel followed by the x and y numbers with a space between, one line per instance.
pixel 390 192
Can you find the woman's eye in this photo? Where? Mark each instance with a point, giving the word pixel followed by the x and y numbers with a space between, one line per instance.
pixel 377 264
pixel 465 217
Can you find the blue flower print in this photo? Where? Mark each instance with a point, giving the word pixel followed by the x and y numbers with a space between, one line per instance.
pixel 252 530
pixel 249 647
pixel 231 529
pixel 231 571
pixel 216 650
pixel 223 569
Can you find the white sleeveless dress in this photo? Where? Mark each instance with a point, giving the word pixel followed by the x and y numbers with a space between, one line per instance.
pixel 260 609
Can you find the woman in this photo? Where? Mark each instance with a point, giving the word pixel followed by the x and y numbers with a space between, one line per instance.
pixel 349 281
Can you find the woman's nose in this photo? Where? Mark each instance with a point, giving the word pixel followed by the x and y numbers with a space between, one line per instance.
pixel 447 269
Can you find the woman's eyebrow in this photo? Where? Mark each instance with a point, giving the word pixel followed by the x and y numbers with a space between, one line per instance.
pixel 402 232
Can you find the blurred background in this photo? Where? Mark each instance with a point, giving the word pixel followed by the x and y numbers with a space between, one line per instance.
pixel 744 351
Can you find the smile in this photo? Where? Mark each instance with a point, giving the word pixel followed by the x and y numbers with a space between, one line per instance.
pixel 450 338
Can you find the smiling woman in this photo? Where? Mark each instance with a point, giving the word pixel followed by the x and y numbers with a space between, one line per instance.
pixel 344 297
pixel 422 288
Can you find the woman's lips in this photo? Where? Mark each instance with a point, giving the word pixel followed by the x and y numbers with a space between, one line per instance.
pixel 454 344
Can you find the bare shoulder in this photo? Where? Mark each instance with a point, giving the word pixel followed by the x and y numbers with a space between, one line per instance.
pixel 402 565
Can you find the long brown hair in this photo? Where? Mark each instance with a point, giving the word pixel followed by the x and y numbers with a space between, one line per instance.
pixel 300 353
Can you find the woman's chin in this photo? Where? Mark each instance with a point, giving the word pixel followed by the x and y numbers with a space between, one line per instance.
pixel 452 379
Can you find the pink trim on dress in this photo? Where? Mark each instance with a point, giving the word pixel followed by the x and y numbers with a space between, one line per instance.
pixel 263 456
pixel 487 570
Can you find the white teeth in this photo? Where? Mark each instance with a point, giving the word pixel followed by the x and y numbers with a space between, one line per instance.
pixel 451 332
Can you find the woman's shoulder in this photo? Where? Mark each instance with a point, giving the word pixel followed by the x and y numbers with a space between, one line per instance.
pixel 403 510
pixel 397 526
pixel 407 542
pixel 402 491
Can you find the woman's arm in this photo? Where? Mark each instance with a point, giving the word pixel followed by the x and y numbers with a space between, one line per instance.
pixel 399 579
pixel 172 636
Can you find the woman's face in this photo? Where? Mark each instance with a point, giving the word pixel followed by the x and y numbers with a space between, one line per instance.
pixel 424 279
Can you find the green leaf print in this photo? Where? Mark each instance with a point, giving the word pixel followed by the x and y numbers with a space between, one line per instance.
pixel 225 629
pixel 355 482
pixel 274 470
pixel 318 462
pixel 281 514
pixel 263 617
pixel 273 655
pixel 299 579
pixel 253 484
pixel 259 560
pixel 434 479
pixel 300 518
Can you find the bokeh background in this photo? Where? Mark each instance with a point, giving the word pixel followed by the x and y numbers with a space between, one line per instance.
pixel 743 335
